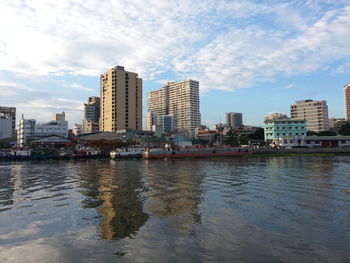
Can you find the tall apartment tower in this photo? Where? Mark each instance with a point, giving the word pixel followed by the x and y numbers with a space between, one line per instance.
pixel 158 101
pixel 314 112
pixel 121 100
pixel 9 112
pixel 180 99
pixel 234 119
pixel 347 101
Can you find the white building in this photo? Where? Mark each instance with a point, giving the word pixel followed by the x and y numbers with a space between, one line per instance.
pixel 25 131
pixel 29 130
pixel 77 129
pixel 180 99
pixel 5 127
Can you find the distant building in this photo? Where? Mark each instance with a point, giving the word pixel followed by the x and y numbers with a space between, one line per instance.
pixel 314 112
pixel 29 130
pixel 121 100
pixel 5 127
pixel 275 115
pixel 336 123
pixel 25 131
pixel 91 115
pixel 234 119
pixel 347 101
pixel 285 132
pixel 77 129
pixel 224 129
pixel 181 100
pixel 159 123
pixel 89 127
pixel 59 116
pixel 92 109
pixel 9 112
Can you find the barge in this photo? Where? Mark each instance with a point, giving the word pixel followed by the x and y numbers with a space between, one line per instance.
pixel 195 153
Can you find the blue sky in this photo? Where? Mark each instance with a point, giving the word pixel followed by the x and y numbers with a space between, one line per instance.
pixel 254 57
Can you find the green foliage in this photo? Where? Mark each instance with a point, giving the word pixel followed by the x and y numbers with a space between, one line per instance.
pixel 327 133
pixel 257 135
pixel 4 144
pixel 345 129
pixel 232 140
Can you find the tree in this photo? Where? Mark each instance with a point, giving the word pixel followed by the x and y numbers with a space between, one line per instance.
pixel 345 129
pixel 327 133
pixel 4 144
pixel 257 135
pixel 232 140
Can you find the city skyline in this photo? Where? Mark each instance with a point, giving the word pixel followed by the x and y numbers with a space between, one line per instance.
pixel 248 57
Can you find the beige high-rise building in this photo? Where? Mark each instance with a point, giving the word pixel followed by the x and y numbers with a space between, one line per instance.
pixel 180 99
pixel 347 101
pixel 314 112
pixel 121 100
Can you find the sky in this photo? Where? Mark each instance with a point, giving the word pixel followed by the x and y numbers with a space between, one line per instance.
pixel 254 57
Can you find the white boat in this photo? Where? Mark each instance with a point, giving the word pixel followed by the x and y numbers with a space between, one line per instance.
pixel 127 153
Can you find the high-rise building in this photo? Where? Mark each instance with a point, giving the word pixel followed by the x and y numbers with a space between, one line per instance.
pixel 121 100
pixel 9 112
pixel 314 112
pixel 234 119
pixel 347 101
pixel 92 109
pixel 91 115
pixel 158 101
pixel 179 99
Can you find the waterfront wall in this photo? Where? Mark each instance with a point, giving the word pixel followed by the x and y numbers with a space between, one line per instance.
pixel 303 150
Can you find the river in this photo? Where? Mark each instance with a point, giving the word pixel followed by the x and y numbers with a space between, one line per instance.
pixel 281 209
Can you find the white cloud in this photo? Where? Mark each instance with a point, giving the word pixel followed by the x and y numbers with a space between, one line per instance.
pixel 224 44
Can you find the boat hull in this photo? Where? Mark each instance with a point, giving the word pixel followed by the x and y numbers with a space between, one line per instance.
pixel 195 154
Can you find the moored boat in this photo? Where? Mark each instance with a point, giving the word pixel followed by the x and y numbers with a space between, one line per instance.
pixel 127 153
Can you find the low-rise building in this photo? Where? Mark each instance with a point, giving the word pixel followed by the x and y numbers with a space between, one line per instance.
pixel 285 132
pixel 327 141
pixel 29 129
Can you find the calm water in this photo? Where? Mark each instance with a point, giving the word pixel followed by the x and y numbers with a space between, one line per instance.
pixel 294 209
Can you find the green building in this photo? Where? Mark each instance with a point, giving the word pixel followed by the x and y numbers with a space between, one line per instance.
pixel 285 132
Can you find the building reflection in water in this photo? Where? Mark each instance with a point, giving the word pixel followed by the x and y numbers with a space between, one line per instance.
pixel 176 192
pixel 113 189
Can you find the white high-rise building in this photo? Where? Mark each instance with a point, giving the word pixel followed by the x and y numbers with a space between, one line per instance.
pixel 347 101
pixel 179 99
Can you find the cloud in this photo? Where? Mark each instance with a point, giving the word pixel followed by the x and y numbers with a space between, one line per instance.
pixel 224 44
pixel 37 104
pixel 243 56
pixel 78 87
